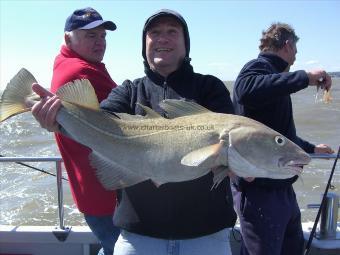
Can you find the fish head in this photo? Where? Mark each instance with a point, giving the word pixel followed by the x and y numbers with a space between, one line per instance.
pixel 258 151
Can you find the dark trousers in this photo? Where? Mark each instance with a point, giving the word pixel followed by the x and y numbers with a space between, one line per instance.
pixel 270 221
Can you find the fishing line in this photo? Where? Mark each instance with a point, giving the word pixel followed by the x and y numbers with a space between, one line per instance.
pixel 311 236
pixel 35 168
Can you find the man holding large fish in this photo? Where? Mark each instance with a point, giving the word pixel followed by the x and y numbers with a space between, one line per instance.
pixel 262 92
pixel 172 165
pixel 152 216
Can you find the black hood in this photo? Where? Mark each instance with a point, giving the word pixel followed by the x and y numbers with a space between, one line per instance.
pixel 163 13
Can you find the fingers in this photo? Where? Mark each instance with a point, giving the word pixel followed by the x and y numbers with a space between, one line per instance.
pixel 328 82
pixel 323 148
pixel 41 91
pixel 45 111
pixel 319 78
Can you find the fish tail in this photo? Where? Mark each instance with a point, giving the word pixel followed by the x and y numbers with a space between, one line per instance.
pixel 17 91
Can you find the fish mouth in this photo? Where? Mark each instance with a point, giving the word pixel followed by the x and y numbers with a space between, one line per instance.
pixel 294 166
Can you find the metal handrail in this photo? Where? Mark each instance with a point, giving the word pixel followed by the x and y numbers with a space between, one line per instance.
pixel 322 156
pixel 30 159
pixel 58 161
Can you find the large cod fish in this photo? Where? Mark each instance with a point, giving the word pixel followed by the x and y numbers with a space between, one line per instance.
pixel 129 149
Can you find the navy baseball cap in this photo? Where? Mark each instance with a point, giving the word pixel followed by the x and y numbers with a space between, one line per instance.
pixel 87 18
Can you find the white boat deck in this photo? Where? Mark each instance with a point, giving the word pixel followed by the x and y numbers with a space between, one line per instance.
pixel 40 240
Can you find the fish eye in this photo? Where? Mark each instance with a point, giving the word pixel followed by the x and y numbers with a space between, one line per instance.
pixel 280 140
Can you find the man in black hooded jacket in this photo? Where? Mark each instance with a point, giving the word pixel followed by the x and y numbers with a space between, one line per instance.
pixel 269 214
pixel 187 217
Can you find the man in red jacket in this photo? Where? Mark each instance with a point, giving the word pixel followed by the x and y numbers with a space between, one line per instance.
pixel 80 58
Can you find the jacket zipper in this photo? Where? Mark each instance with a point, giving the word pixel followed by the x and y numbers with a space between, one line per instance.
pixel 165 87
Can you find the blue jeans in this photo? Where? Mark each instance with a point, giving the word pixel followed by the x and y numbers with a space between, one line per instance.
pixel 102 227
pixel 133 244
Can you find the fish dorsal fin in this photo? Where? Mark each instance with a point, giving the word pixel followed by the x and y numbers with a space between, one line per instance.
pixel 178 108
pixel 204 157
pixel 151 114
pixel 79 92
pixel 13 98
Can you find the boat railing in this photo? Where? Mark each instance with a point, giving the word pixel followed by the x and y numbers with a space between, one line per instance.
pixel 58 161
pixel 322 156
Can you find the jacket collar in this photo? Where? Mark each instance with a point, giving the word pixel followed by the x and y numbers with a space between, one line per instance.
pixel 275 60
pixel 181 73
pixel 67 52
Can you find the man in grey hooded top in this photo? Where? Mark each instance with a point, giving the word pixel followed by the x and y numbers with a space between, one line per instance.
pixel 180 218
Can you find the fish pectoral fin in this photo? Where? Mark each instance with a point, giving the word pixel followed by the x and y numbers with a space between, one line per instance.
pixel 79 92
pixel 17 91
pixel 178 108
pixel 112 175
pixel 151 114
pixel 220 173
pixel 204 157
